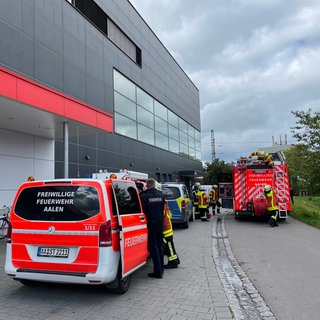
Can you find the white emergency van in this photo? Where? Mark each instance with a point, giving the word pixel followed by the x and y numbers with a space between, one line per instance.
pixel 86 231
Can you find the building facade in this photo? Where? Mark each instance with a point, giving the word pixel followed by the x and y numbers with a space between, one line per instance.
pixel 86 85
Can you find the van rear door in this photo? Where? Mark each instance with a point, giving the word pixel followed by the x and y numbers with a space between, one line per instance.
pixel 55 226
pixel 133 226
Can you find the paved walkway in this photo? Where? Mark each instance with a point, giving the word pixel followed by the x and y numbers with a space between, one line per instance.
pixel 193 291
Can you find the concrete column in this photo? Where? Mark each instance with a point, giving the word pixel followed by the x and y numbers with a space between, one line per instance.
pixel 66 149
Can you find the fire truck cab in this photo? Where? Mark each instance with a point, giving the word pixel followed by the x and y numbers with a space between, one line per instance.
pixel 86 231
pixel 249 178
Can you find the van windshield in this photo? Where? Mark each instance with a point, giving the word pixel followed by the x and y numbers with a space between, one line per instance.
pixel 58 203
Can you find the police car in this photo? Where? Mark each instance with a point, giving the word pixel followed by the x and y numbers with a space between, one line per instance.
pixel 179 202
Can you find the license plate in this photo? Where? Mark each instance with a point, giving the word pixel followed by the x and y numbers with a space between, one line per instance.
pixel 53 252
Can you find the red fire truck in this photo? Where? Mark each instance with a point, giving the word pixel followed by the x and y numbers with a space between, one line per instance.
pixel 249 178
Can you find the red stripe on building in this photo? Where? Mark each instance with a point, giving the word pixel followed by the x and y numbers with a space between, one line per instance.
pixel 24 90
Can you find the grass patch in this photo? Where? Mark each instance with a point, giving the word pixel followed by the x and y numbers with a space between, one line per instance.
pixel 307 210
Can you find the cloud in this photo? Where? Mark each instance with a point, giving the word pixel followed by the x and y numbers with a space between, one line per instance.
pixel 253 61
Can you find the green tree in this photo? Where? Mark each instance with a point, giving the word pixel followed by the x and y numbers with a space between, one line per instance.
pixel 307 130
pixel 305 158
pixel 215 169
pixel 299 173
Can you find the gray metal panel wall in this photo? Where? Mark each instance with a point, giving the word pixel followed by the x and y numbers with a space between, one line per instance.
pixel 52 43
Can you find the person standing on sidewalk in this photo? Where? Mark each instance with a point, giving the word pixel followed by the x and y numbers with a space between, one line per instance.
pixel 169 249
pixel 202 203
pixel 195 190
pixel 214 199
pixel 153 205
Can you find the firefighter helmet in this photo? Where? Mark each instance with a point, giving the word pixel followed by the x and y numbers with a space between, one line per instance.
pixel 215 186
pixel 267 188
pixel 196 186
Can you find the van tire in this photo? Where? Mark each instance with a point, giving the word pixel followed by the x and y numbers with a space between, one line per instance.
pixel 120 285
pixel 29 283
pixel 185 225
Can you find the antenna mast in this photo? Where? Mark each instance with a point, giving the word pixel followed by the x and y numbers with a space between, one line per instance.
pixel 213 147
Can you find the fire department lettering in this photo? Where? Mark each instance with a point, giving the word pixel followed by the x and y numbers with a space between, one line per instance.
pixel 53 209
pixel 129 242
pixel 55 201
pixel 155 199
pixel 57 194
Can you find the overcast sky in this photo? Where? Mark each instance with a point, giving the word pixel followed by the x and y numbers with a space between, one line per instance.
pixel 253 61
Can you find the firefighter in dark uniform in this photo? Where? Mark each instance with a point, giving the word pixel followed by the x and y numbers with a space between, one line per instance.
pixel 271 205
pixel 214 199
pixel 195 190
pixel 153 206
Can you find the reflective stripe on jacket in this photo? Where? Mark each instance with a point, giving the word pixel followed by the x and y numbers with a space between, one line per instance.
pixel 167 225
pixel 202 199
pixel 213 196
pixel 270 200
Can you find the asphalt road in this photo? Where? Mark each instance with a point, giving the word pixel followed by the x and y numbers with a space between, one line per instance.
pixel 283 263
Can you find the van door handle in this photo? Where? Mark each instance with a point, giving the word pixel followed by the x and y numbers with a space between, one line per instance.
pixel 142 218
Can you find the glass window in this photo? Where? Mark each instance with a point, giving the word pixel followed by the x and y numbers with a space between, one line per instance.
pixel 127 197
pixel 118 37
pixel 173 146
pixel 197 135
pixel 125 126
pixel 170 193
pixel 160 110
pixel 184 149
pixel 191 142
pixel 93 13
pixel 144 100
pixel 58 203
pixel 190 131
pixel 183 137
pixel 173 119
pixel 198 154
pixel 198 145
pixel 161 126
pixel 185 192
pixel 173 132
pixel 183 126
pixel 145 134
pixel 145 117
pixel 124 106
pixel 139 116
pixel 161 141
pixel 192 153
pixel 124 86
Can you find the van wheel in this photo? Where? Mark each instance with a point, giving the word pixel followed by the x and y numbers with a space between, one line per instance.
pixel 185 225
pixel 120 285
pixel 29 282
